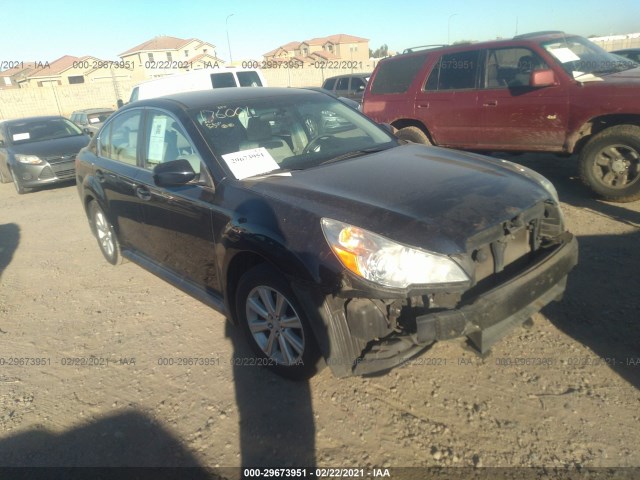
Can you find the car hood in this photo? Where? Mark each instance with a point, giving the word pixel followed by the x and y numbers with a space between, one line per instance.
pixel 429 197
pixel 54 147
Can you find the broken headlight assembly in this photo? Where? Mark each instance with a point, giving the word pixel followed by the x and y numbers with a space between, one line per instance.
pixel 385 262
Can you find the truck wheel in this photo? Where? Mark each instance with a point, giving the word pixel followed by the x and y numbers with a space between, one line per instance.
pixel 610 164
pixel 413 134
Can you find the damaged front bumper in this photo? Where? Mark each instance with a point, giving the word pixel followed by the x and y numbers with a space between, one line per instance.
pixel 484 319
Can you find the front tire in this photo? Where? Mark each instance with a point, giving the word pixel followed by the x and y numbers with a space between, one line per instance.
pixel 105 234
pixel 610 164
pixel 275 325
pixel 413 134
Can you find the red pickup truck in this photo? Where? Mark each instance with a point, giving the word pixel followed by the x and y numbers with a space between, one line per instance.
pixel 540 92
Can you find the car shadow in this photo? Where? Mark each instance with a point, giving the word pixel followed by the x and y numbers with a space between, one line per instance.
pixel 123 445
pixel 9 240
pixel 277 427
pixel 600 306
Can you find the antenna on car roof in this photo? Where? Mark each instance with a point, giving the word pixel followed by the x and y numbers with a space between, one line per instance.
pixel 422 47
pixel 537 34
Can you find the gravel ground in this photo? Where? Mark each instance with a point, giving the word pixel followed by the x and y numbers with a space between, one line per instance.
pixel 571 401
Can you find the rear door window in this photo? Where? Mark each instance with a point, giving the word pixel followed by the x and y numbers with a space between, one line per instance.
pixel 343 84
pixel 120 140
pixel 455 71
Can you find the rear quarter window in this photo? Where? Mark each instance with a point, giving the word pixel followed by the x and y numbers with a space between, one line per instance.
pixel 396 75
pixel 329 83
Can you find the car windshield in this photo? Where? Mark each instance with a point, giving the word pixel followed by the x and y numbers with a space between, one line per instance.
pixel 37 130
pixel 98 117
pixel 287 132
pixel 581 58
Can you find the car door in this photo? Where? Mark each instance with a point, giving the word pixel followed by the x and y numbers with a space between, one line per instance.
pixel 447 102
pixel 514 115
pixel 177 219
pixel 115 168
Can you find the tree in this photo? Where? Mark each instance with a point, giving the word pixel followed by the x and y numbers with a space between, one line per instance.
pixel 383 51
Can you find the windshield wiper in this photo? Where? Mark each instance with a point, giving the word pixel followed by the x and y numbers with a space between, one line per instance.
pixel 354 153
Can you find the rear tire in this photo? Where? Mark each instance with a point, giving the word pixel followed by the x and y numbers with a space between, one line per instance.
pixel 610 164
pixel 105 234
pixel 275 324
pixel 414 135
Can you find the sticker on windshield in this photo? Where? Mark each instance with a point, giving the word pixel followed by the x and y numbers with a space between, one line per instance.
pixel 248 163
pixel 564 55
pixel 94 120
pixel 21 136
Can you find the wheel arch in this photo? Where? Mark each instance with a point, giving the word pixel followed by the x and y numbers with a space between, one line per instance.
pixel 409 122
pixel 577 140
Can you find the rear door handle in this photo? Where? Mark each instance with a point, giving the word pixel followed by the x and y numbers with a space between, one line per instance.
pixel 142 193
pixel 423 105
pixel 490 103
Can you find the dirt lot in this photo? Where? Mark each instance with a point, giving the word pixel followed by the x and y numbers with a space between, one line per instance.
pixel 572 399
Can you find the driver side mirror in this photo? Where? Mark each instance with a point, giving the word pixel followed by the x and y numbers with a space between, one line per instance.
pixel 542 78
pixel 87 131
pixel 176 172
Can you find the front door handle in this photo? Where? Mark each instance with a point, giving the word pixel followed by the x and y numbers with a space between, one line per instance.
pixel 142 193
pixel 490 103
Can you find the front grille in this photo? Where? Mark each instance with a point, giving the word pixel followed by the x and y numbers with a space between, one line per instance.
pixel 55 159
pixel 66 173
pixel 58 168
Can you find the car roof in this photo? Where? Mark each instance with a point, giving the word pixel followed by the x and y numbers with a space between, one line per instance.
pixel 32 119
pixel 637 49
pixel 361 75
pixel 517 40
pixel 94 110
pixel 189 100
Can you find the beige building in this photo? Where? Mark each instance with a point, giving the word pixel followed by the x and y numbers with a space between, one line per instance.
pixel 165 55
pixel 70 70
pixel 16 76
pixel 334 47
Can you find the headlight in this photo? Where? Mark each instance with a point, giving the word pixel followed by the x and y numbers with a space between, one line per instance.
pixel 386 262
pixel 30 159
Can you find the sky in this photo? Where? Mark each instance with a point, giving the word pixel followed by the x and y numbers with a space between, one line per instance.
pixel 37 30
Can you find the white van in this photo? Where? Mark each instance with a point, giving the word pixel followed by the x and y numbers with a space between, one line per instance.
pixel 204 79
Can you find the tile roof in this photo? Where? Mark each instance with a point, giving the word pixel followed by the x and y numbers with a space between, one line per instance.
pixel 161 43
pixel 18 69
pixel 338 38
